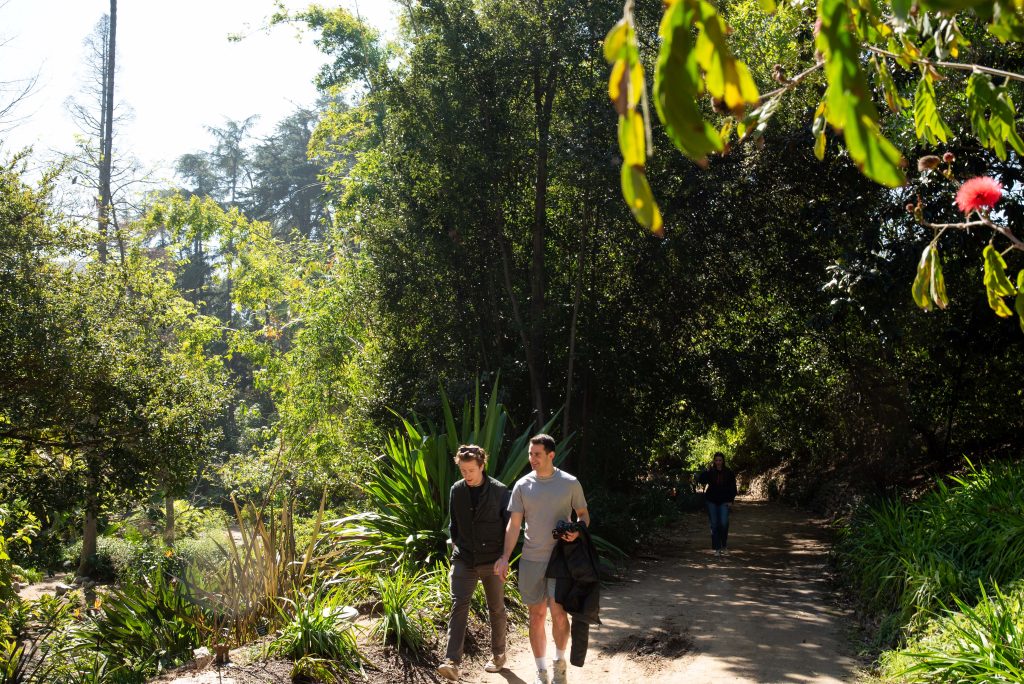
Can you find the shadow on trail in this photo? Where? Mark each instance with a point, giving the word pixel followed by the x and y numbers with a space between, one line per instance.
pixel 759 614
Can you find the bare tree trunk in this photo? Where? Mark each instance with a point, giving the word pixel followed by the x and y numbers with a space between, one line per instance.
pixel 90 526
pixel 576 298
pixel 169 518
pixel 543 97
pixel 107 134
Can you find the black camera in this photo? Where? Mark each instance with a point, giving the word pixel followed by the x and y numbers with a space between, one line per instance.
pixel 563 528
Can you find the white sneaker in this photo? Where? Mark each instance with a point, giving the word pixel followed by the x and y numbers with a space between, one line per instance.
pixel 559 672
pixel 725 552
pixel 542 677
pixel 495 664
pixel 718 552
pixel 449 670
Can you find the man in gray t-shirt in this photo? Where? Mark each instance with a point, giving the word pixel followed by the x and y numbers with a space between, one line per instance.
pixel 540 499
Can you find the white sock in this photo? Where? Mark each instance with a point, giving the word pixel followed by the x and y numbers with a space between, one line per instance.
pixel 540 664
pixel 559 653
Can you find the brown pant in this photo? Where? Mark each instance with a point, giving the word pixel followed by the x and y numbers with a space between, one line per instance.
pixel 463 583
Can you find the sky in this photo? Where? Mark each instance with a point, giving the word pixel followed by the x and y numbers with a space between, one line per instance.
pixel 177 71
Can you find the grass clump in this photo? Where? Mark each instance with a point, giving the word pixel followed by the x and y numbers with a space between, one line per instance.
pixel 930 572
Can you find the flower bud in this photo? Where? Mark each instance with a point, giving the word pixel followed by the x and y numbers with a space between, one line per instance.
pixel 928 162
pixel 949 157
pixel 910 208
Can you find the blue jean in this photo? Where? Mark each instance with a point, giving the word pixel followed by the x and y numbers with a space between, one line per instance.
pixel 718 515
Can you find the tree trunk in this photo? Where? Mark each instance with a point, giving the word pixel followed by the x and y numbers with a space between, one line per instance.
pixel 543 97
pixel 169 518
pixel 107 134
pixel 576 298
pixel 86 563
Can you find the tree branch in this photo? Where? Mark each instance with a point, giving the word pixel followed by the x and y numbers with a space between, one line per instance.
pixel 951 65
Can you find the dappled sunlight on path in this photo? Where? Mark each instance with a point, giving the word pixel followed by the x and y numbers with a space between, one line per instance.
pixel 761 614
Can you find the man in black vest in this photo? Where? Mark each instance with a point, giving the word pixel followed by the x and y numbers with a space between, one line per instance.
pixel 478 505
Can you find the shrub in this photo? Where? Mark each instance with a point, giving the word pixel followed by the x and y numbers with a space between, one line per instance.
pixel 149 626
pixel 205 553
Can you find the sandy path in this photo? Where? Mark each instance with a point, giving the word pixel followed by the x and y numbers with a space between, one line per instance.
pixel 760 615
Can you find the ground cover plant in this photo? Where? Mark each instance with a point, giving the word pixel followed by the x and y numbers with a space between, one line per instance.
pixel 931 571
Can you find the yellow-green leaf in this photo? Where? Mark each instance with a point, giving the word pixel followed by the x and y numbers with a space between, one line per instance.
pixel 768 6
pixel 727 78
pixel 997 285
pixel 848 98
pixel 677 84
pixel 632 138
pixel 617 83
pixel 929 286
pixel 640 199
pixel 615 41
pixel 1018 302
pixel 927 122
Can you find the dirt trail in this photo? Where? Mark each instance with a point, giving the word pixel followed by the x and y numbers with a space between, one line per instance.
pixel 761 615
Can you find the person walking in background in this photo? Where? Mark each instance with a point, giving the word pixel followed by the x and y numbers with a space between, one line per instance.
pixel 478 505
pixel 718 496
pixel 541 499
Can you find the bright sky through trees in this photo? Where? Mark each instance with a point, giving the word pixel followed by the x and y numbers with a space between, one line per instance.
pixel 176 68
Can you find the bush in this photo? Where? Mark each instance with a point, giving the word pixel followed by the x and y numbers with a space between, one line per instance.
pixel 118 559
pixel 149 626
pixel 204 553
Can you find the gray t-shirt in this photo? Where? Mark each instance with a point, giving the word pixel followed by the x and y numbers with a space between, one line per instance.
pixel 543 502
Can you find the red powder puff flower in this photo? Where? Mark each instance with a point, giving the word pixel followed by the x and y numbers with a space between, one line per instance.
pixel 978 193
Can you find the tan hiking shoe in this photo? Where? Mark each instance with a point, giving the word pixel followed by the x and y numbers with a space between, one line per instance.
pixel 559 674
pixel 449 669
pixel 542 677
pixel 495 664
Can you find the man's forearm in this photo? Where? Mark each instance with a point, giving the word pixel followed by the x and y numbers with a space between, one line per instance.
pixel 511 537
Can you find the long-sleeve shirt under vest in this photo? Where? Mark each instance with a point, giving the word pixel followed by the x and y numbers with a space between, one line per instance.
pixel 478 519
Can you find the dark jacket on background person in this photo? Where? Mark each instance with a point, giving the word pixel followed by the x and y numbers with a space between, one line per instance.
pixel 575 569
pixel 477 528
pixel 721 485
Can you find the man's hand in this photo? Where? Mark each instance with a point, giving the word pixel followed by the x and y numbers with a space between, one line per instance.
pixel 570 536
pixel 501 567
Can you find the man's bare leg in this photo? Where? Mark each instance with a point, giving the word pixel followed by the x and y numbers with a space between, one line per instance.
pixel 538 632
pixel 559 625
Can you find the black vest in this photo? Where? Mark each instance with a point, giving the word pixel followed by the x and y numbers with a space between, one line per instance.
pixel 480 532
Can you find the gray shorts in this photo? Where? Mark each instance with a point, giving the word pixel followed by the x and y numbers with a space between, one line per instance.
pixel 534 587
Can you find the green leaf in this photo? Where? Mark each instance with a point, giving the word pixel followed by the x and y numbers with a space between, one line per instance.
pixel 927 122
pixel 849 107
pixel 893 99
pixel 727 78
pixel 929 286
pixel 641 202
pixel 901 8
pixel 768 6
pixel 632 138
pixel 1007 22
pixel 1018 302
pixel 677 84
pixel 992 114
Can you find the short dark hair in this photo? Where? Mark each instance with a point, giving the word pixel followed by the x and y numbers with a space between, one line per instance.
pixel 717 454
pixel 546 441
pixel 471 452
